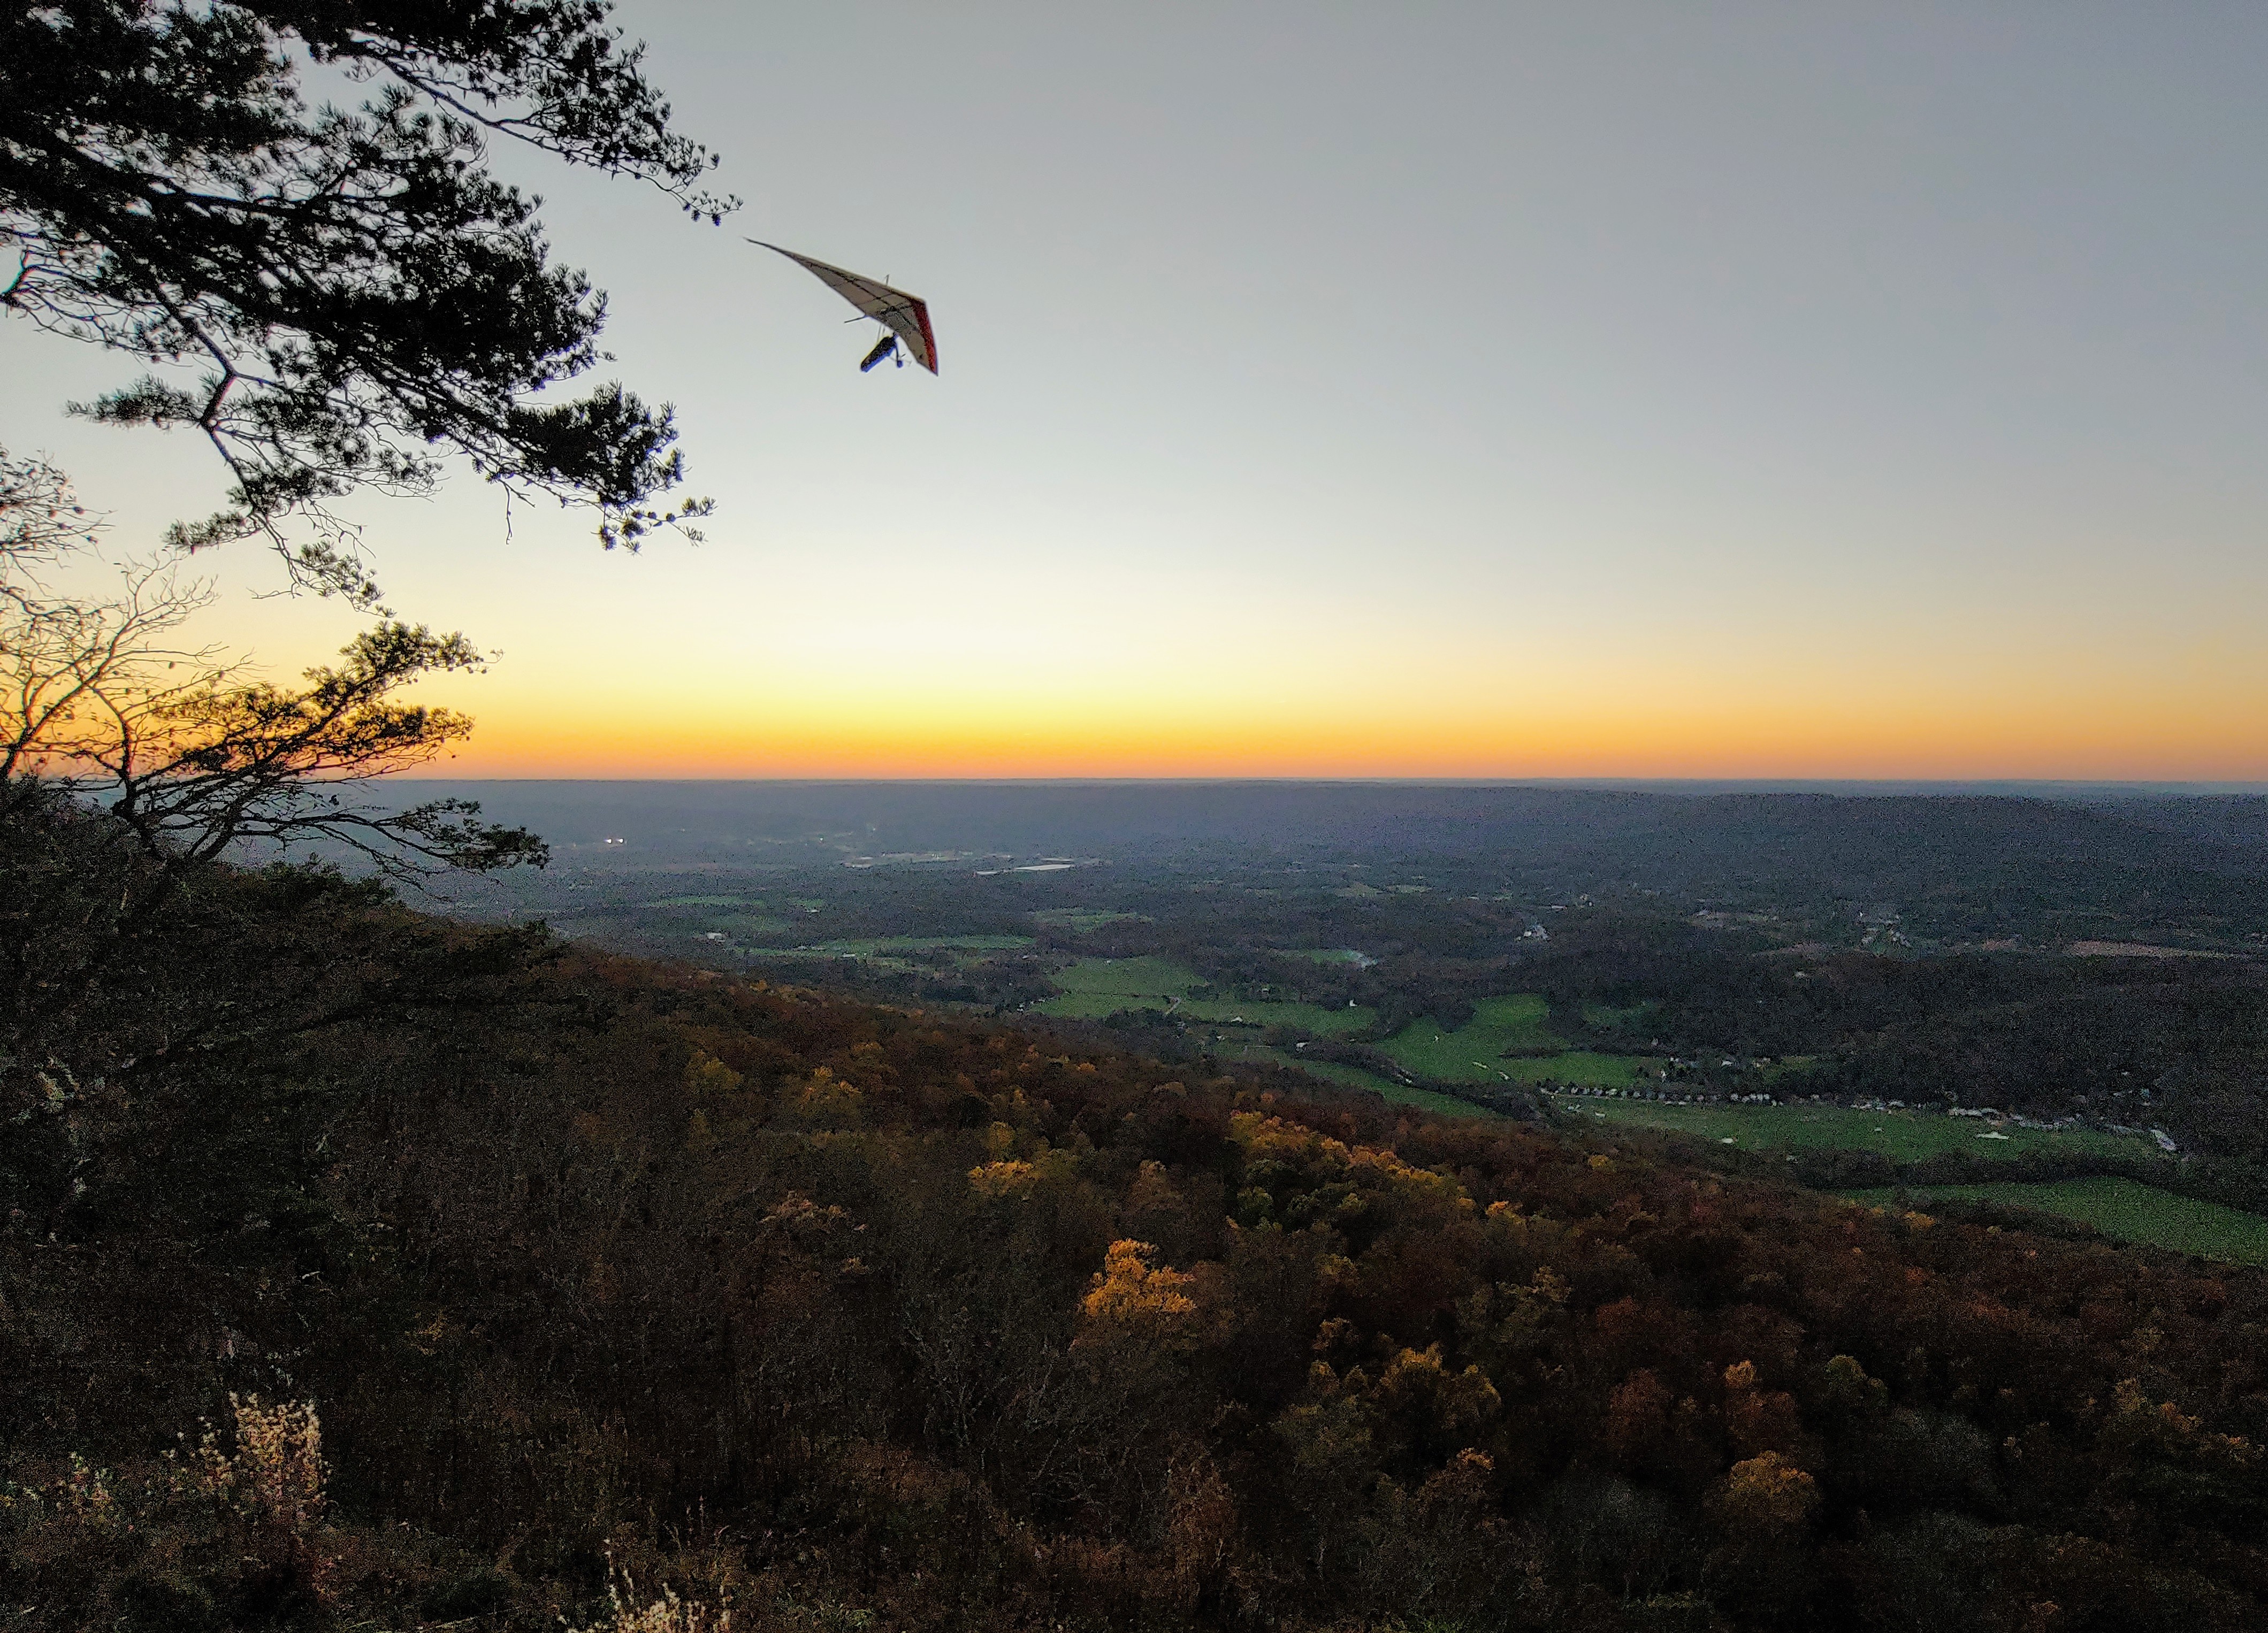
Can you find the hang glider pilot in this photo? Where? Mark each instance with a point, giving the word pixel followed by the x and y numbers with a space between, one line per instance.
pixel 905 316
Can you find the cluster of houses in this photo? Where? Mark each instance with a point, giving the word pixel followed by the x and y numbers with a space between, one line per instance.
pixel 2164 1141
pixel 2050 1125
pixel 1660 1096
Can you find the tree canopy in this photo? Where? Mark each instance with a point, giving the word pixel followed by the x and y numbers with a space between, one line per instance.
pixel 849 1316
pixel 338 296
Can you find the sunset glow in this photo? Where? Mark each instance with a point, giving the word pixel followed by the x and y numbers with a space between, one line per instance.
pixel 1754 399
pixel 1618 730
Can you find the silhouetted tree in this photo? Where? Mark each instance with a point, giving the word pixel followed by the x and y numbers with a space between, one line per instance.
pixel 187 755
pixel 336 297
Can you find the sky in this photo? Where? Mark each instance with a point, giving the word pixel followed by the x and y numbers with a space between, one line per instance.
pixel 1445 390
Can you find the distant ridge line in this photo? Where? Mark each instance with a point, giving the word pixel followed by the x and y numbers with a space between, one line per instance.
pixel 2042 787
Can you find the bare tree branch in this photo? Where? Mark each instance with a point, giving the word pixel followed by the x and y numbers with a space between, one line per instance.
pixel 189 754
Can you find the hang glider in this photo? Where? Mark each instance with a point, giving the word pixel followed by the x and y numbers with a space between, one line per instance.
pixel 905 316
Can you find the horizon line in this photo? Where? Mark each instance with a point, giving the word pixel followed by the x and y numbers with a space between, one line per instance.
pixel 2139 784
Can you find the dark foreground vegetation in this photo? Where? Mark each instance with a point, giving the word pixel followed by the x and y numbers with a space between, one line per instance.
pixel 365 1271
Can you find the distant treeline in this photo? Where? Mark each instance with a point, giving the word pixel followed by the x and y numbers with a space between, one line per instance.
pixel 1962 867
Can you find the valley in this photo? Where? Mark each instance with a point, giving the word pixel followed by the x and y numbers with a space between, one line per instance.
pixel 1482 953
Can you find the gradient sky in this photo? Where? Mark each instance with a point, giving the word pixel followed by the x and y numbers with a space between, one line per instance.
pixel 1425 390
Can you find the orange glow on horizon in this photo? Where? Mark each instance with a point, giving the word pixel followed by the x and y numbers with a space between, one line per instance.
pixel 943 684
pixel 1792 741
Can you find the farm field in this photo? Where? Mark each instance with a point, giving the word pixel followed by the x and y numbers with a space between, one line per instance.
pixel 1095 988
pixel 2125 1210
pixel 1474 1053
pixel 739 924
pixel 1517 1022
pixel 1899 1135
pixel 1393 1093
pixel 1079 920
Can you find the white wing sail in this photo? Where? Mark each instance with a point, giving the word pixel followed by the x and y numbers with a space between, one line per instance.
pixel 907 316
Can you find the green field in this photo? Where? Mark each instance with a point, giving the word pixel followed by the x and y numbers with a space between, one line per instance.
pixel 1095 988
pixel 747 924
pixel 1474 1053
pixel 2125 1210
pixel 1470 1053
pixel 1079 920
pixel 1146 977
pixel 1393 1093
pixel 1899 1136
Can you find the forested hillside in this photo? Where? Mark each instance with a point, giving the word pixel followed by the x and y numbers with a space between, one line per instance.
pixel 364 1270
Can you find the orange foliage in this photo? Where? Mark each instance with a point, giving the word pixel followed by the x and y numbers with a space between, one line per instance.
pixel 1768 1493
pixel 1129 1291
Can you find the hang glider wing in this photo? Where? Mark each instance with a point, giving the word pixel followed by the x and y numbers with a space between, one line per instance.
pixel 907 316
